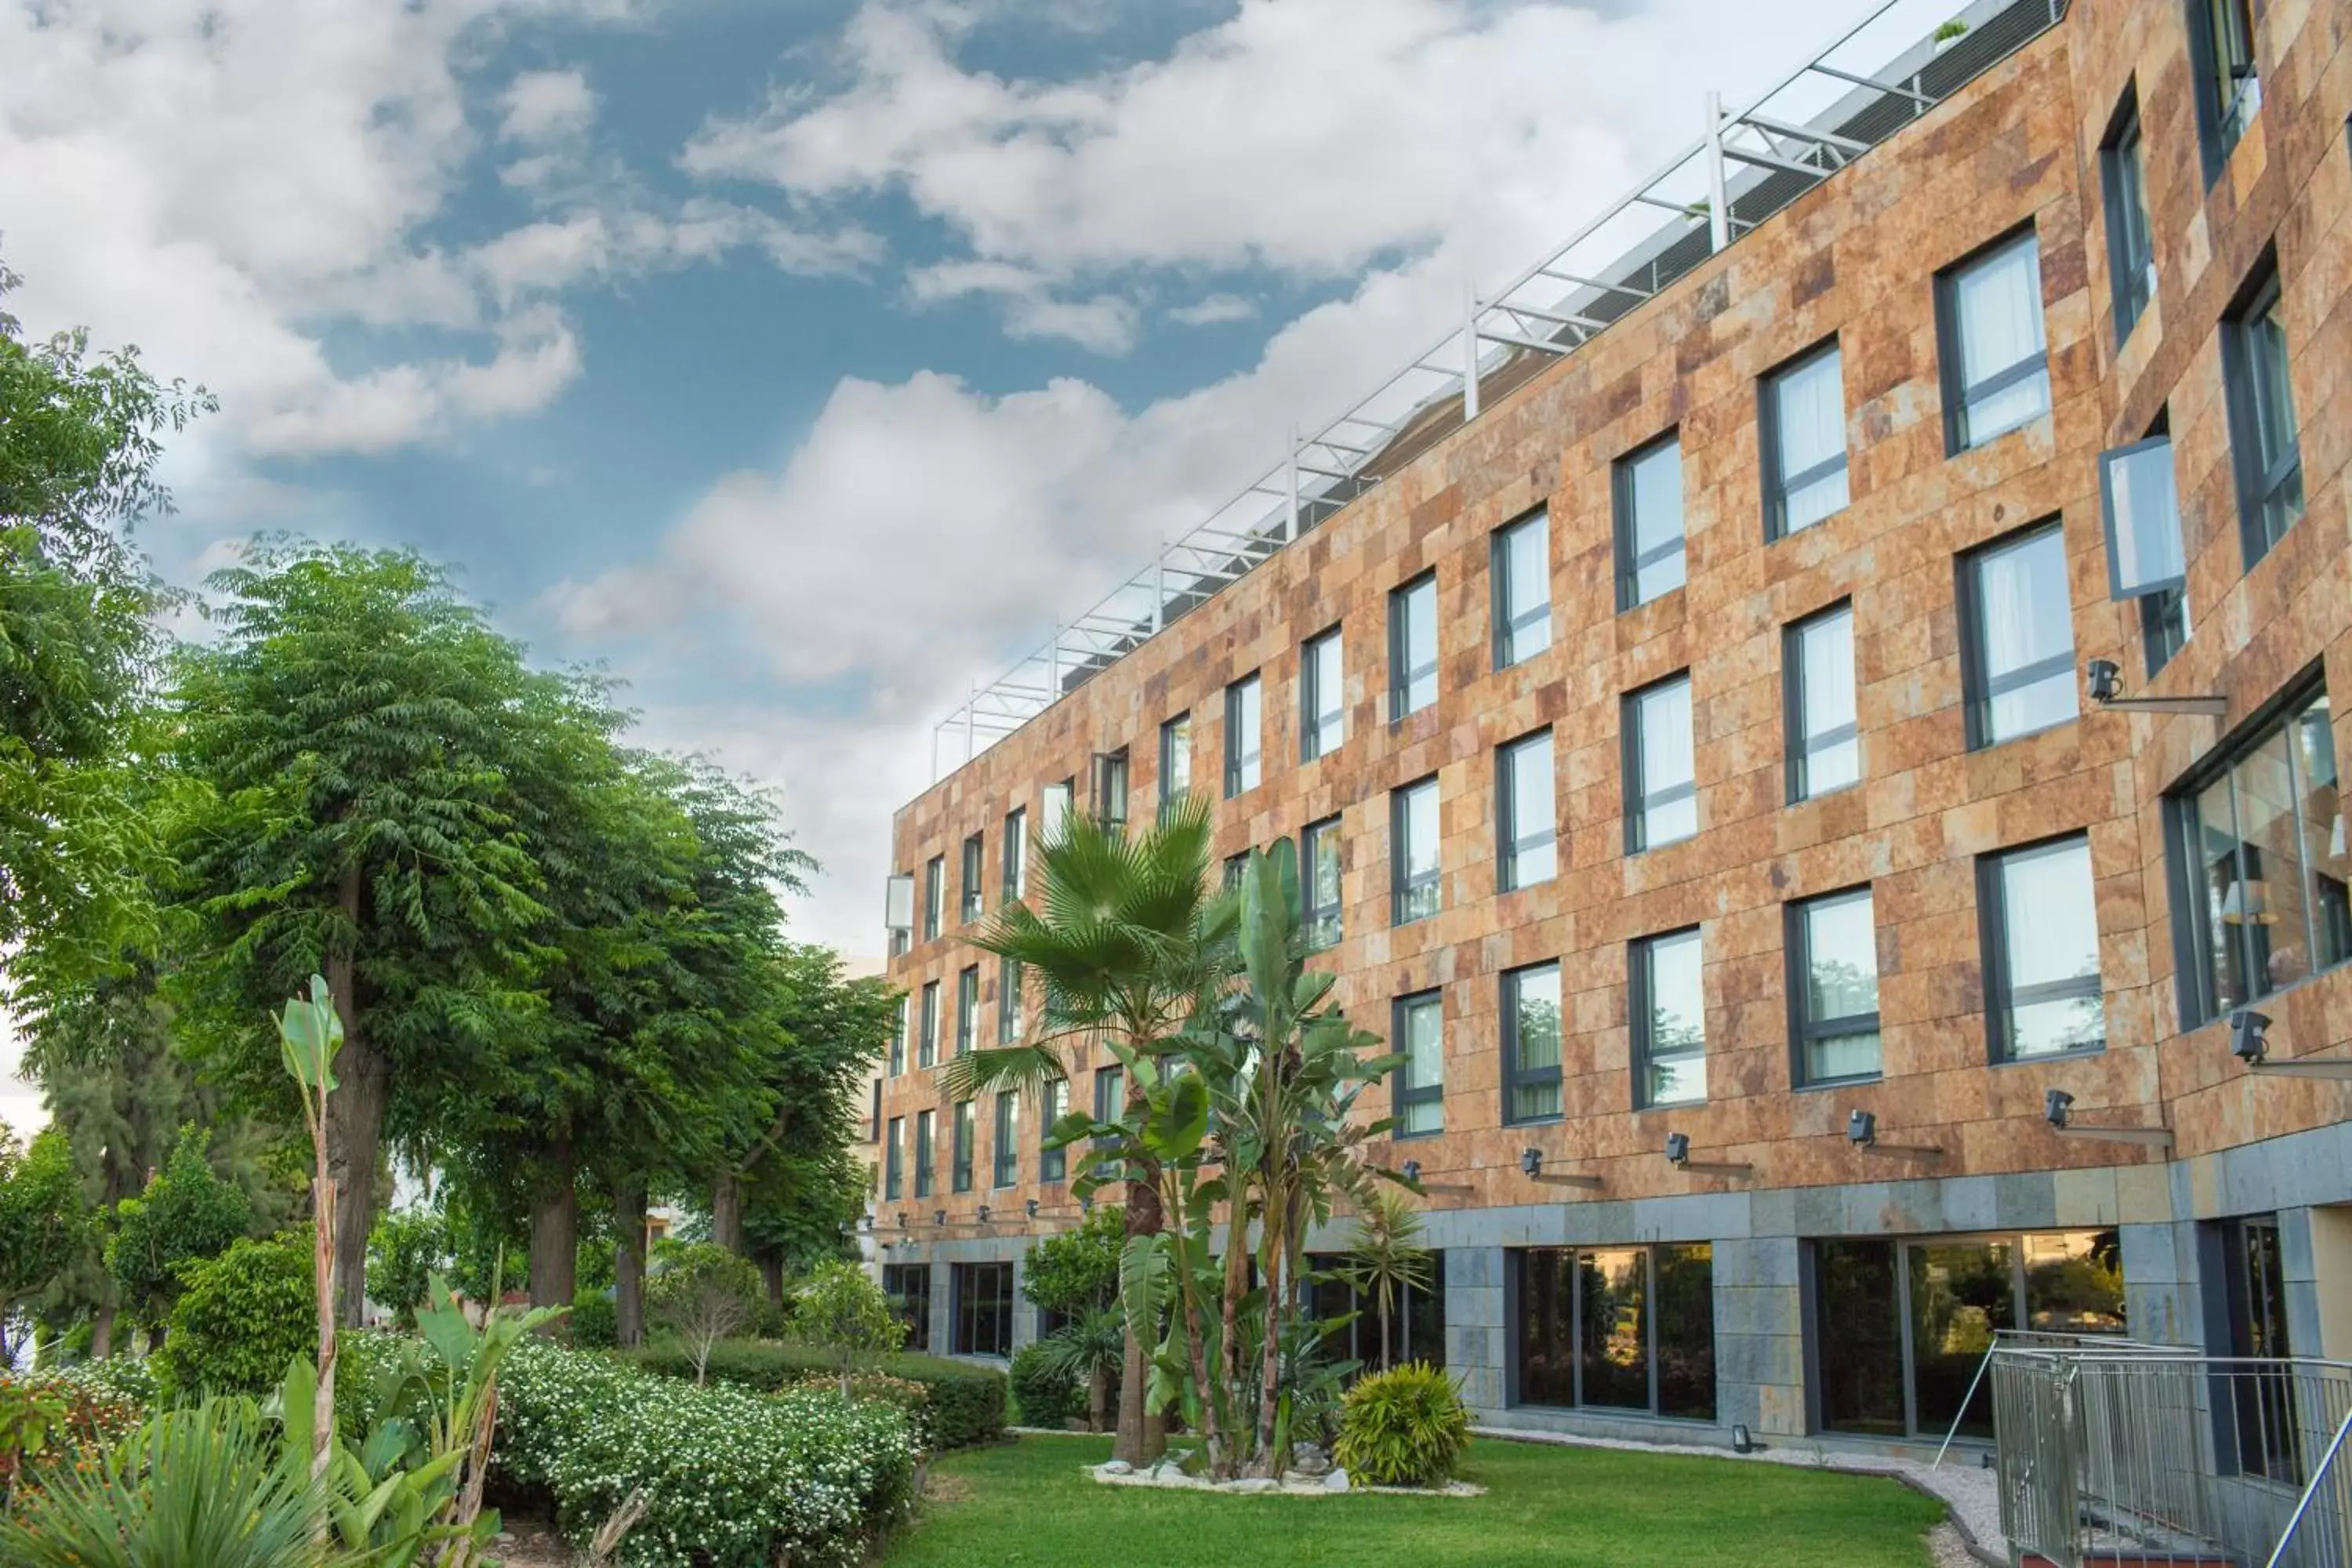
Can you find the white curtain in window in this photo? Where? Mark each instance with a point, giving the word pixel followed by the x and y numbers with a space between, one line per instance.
pixel 1810 415
pixel 1527 560
pixel 1999 310
pixel 1534 819
pixel 1656 482
pixel 1670 804
pixel 2052 924
pixel 1421 831
pixel 1825 666
pixel 1424 1050
pixel 2028 631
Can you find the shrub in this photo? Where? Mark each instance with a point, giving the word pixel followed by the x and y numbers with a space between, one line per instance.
pixel 1077 1271
pixel 53 1426
pixel 965 1403
pixel 1045 1391
pixel 186 1213
pixel 595 1322
pixel 703 1294
pixel 840 1309
pixel 403 1251
pixel 240 1319
pixel 734 1478
pixel 1403 1427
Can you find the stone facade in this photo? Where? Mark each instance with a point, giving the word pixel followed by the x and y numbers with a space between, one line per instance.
pixel 1858 259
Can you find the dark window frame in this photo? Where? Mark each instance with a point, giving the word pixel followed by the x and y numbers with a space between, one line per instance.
pixel 1777 484
pixel 1054 1103
pixel 1113 783
pixel 982 1325
pixel 1312 745
pixel 1621 507
pixel 927 1134
pixel 1005 1145
pixel 1401 674
pixel 1516 1260
pixel 897 1060
pixel 1803 1029
pixel 1949 362
pixel 1175 739
pixel 1638 799
pixel 963 1124
pixel 1402 883
pixel 1015 871
pixel 1506 631
pixel 2123 199
pixel 1514 1077
pixel 927 1042
pixel 894 1172
pixel 967 1021
pixel 1310 912
pixel 1403 1092
pixel 2221 126
pixel 913 1306
pixel 2259 480
pixel 935 895
pixel 1977 686
pixel 975 873
pixel 1235 699
pixel 1508 846
pixel 1009 1018
pixel 2001 996
pixel 1640 1011
pixel 1110 1104
pixel 1795 742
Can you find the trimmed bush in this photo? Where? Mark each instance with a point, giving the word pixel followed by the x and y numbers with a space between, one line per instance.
pixel 965 1403
pixel 595 1322
pixel 1403 1427
pixel 734 1478
pixel 240 1319
pixel 1047 1395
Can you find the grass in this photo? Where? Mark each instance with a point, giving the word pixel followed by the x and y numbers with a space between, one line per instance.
pixel 1027 1502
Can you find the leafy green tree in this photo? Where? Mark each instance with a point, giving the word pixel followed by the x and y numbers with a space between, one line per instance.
pixel 1076 1271
pixel 241 1317
pixel 839 1308
pixel 186 1213
pixel 705 1294
pixel 42 1223
pixel 349 736
pixel 406 1248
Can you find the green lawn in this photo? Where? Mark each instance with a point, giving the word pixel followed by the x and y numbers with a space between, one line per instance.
pixel 1560 1508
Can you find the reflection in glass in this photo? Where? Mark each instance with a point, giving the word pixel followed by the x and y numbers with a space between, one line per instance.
pixel 1650 504
pixel 1522 591
pixel 1530 830
pixel 1858 1316
pixel 1322 872
pixel 1421 1083
pixel 1413 648
pixel 1839 1025
pixel 1615 1358
pixel 1808 433
pixel 2023 669
pixel 1547 1327
pixel 1322 697
pixel 1665 778
pixel 1686 1335
pixel 1673 1011
pixel 1418 879
pixel 1531 1006
pixel 2050 958
pixel 2075 1282
pixel 1961 1293
pixel 1828 750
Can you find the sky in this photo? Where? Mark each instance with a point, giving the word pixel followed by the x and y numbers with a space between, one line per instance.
pixel 800 361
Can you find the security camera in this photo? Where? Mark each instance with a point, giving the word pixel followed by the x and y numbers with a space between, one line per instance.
pixel 2249 1035
pixel 2054 1105
pixel 1531 1162
pixel 1861 1128
pixel 2105 678
pixel 1678 1148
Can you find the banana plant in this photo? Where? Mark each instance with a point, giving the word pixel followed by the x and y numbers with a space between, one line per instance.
pixel 310 1036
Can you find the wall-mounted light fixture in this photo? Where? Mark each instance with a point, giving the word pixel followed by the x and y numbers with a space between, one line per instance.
pixel 940 1219
pixel 1030 1208
pixel 1862 1132
pixel 984 1213
pixel 2103 677
pixel 1678 1155
pixel 2058 1109
pixel 1532 1163
pixel 2249 1042
pixel 1678 1148
pixel 902 1219
pixel 1411 1172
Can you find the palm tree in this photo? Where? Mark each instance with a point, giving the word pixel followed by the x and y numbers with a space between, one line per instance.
pixel 1385 1256
pixel 1126 943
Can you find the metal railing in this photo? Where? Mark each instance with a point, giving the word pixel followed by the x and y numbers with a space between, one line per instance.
pixel 2109 1451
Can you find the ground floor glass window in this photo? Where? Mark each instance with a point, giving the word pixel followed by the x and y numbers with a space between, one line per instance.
pixel 1416 1318
pixel 984 1309
pixel 908 1286
pixel 1617 1328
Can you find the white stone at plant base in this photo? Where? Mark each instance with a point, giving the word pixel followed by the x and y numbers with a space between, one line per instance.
pixel 1337 1481
pixel 1116 1468
pixel 1306 1459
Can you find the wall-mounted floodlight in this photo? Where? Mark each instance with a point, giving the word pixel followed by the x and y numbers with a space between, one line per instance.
pixel 1531 1162
pixel 2104 680
pixel 1678 1155
pixel 1413 1172
pixel 1861 1128
pixel 1030 1208
pixel 940 1219
pixel 2056 1106
pixel 902 1219
pixel 2058 1109
pixel 1087 1204
pixel 984 1213
pixel 1678 1148
pixel 2249 1042
pixel 1742 1440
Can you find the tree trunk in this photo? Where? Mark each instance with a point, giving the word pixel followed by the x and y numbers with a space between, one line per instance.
pixel 771 1271
pixel 101 1325
pixel 727 1212
pixel 555 1232
pixel 1097 1397
pixel 1140 1436
pixel 354 1125
pixel 629 1263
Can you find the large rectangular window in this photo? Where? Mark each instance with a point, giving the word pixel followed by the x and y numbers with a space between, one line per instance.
pixel 925 1151
pixel 2139 506
pixel 1322 696
pixel 1521 569
pixel 975 896
pixel 1054 805
pixel 1111 1105
pixel 2263 442
pixel 908 1286
pixel 1008 1001
pixel 1833 987
pixel 965 1129
pixel 874 1115
pixel 1417 1097
pixel 966 1009
pixel 898 1038
pixel 1803 439
pixel 1175 759
pixel 1527 820
pixel 1016 854
pixel 1412 647
pixel 1616 1328
pixel 1669 1018
pixel 2040 926
pixel 935 895
pixel 1415 1318
pixel 2256 1421
pixel 1661 773
pixel 2259 872
pixel 1110 789
pixel 1649 505
pixel 1007 1147
pixel 1415 877
pixel 1243 736
pixel 927 1043
pixel 1996 359
pixel 1531 1026
pixel 2229 84
pixel 1824 735
pixel 983 1308
pixel 1052 1104
pixel 893 1154
pixel 2017 637
pixel 1318 883
pixel 2131 243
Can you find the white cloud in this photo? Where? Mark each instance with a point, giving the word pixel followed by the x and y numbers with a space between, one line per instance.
pixel 1214 308
pixel 1102 323
pixel 547 106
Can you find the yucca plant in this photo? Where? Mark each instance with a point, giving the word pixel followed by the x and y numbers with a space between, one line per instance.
pixel 1088 1349
pixel 1385 1257
pixel 1403 1427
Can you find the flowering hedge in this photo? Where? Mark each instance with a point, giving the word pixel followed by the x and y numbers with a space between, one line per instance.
pixel 83 1416
pixel 732 1477
pixel 963 1403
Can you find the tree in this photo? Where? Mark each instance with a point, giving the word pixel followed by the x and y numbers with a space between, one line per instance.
pixel 186 1214
pixel 349 739
pixel 703 1296
pixel 1089 1349
pixel 1127 947
pixel 406 1248
pixel 41 1221
pixel 1385 1256
pixel 1076 1271
pixel 839 1308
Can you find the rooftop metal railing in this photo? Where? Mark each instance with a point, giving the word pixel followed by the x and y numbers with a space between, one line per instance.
pixel 1902 59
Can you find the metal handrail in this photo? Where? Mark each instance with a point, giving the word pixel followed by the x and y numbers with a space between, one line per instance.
pixel 2303 1504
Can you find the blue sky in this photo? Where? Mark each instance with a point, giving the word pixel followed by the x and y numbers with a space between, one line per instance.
pixel 800 359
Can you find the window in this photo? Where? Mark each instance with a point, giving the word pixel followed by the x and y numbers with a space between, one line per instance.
pixel 1525 813
pixel 2260 865
pixel 927 1044
pixel 1008 1001
pixel 1242 736
pixel 2259 1425
pixel 1522 578
pixel 1111 1105
pixel 1233 867
pixel 1649 486
pixel 1415 881
pixel 908 1286
pixel 2262 420
pixel 975 896
pixel 2131 245
pixel 1996 364
pixel 1175 759
pixel 1318 883
pixel 1016 854
pixel 1008 1140
pixel 1415 1318
pixel 960 1174
pixel 894 1151
pixel 1669 1016
pixel 983 1308
pixel 874 1115
pixel 1110 789
pixel 1825 744
pixel 1412 647
pixel 1054 809
pixel 1803 439
pixel 1616 1328
pixel 2230 87
pixel 2040 929
pixel 935 895
pixel 923 1151
pixel 1531 1042
pixel 898 1039
pixel 2017 637
pixel 1322 696
pixel 2140 509
pixel 1833 987
pixel 966 1009
pixel 1052 1104
pixel 1661 784
pixel 1417 1088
